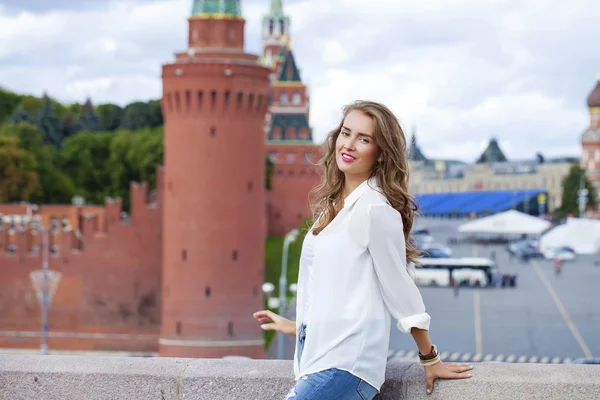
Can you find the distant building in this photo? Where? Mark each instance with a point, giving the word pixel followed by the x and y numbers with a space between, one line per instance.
pixel 491 171
pixel 590 141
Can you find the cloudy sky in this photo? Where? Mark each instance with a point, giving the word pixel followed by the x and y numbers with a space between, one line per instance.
pixel 459 71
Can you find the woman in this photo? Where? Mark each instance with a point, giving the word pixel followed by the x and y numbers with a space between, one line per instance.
pixel 353 276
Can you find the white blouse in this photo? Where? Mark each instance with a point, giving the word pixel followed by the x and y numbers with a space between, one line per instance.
pixel 359 281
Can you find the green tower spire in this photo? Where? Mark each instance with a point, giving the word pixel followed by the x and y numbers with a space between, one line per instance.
pixel 276 8
pixel 216 9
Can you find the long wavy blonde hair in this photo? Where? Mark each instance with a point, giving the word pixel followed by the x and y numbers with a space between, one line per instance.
pixel 392 172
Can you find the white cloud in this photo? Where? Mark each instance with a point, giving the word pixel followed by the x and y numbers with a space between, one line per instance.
pixel 461 71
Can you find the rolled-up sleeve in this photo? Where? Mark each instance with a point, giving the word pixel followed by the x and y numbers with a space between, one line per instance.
pixel 388 250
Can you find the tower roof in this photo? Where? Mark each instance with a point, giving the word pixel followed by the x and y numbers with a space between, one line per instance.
pixel 216 9
pixel 276 8
pixel 593 99
pixel 414 151
pixel 492 153
pixel 288 70
pixel 276 12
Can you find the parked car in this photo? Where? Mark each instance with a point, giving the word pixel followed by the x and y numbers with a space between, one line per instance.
pixel 516 245
pixel 564 253
pixel 527 252
pixel 422 240
pixel 438 249
pixel 420 231
pixel 433 253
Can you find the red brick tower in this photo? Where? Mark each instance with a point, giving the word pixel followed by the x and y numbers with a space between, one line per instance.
pixel 288 134
pixel 215 99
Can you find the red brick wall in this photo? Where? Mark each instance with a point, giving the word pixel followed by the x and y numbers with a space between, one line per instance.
pixel 109 294
pixel 293 177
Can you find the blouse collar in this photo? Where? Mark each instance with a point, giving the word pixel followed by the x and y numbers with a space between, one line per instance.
pixel 360 190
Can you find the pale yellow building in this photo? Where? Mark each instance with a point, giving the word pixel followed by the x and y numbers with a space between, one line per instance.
pixel 492 171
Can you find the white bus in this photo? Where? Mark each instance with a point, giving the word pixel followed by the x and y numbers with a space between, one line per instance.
pixel 470 271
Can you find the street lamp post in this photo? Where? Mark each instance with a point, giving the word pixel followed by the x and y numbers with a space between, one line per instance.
pixel 582 196
pixel 289 238
pixel 44 345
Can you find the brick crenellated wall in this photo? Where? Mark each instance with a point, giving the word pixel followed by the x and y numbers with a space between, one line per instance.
pixel 108 297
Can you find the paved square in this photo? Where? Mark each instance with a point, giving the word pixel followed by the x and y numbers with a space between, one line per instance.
pixel 545 315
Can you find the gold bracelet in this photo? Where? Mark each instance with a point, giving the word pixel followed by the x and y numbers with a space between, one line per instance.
pixel 433 361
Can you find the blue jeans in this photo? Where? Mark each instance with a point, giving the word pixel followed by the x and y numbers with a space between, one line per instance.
pixel 331 384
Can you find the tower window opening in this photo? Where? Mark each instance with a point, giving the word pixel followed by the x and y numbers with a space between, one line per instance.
pixel 213 131
pixel 250 101
pixel 240 99
pixel 188 100
pixel 296 98
pixel 177 102
pixel 178 327
pixel 213 99
pixel 199 96
pixel 169 102
pixel 226 99
pixel 250 186
pixel 234 256
pixel 271 26
pixel 207 292
pixel 283 98
pixel 230 328
pixel 282 27
pixel 184 255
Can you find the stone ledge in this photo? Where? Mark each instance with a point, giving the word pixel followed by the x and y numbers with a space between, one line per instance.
pixel 76 377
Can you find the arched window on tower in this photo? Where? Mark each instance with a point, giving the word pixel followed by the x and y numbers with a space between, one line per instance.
pixel 296 98
pixel 276 133
pixel 290 133
pixel 282 27
pixel 199 97
pixel 283 98
pixel 303 133
pixel 226 99
pixel 213 99
pixel 271 26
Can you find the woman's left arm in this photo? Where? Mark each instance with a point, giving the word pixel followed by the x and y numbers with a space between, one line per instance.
pixel 400 293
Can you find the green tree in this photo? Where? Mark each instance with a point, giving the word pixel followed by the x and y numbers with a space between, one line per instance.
pixel 84 159
pixel 18 175
pixel 68 123
pixel 55 186
pixel 89 120
pixel 571 185
pixel 134 157
pixel 8 104
pixel 111 116
pixel 20 114
pixel 140 115
pixel 49 122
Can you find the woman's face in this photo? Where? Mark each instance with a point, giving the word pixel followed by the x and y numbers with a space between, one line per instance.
pixel 356 151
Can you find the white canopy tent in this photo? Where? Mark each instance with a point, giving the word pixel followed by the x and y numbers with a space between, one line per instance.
pixel 582 235
pixel 511 222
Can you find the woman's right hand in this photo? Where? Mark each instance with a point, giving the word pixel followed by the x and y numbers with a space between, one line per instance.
pixel 272 322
